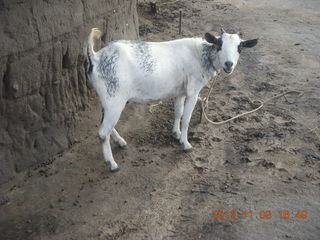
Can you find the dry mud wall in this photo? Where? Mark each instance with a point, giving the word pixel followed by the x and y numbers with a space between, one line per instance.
pixel 42 79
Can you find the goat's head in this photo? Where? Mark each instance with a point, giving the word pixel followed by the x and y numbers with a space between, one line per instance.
pixel 229 47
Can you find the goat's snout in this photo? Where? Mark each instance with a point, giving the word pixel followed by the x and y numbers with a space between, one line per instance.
pixel 228 67
pixel 228 64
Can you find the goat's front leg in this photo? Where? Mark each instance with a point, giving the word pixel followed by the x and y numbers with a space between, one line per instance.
pixel 178 111
pixel 187 112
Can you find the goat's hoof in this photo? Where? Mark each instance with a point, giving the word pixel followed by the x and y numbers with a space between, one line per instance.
pixel 114 169
pixel 123 146
pixel 176 136
pixel 188 150
pixel 101 138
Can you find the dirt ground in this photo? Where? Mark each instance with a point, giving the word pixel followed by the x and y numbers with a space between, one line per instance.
pixel 267 161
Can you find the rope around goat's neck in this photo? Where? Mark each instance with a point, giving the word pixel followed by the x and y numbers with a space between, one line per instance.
pixel 205 101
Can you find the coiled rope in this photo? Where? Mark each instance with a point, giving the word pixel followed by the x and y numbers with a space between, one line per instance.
pixel 205 101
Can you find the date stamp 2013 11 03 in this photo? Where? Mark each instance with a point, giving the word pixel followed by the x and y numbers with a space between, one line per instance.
pixel 262 214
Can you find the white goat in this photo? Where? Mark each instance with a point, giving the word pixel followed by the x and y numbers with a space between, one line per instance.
pixel 137 71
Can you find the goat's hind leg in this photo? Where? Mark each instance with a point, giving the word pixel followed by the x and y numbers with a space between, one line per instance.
pixel 112 114
pixel 107 153
pixel 116 136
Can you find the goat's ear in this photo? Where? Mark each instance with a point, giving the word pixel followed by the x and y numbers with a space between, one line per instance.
pixel 249 43
pixel 212 39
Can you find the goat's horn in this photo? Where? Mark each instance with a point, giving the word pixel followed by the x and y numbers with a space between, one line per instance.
pixel 222 31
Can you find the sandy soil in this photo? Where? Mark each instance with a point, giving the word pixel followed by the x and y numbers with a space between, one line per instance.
pixel 268 161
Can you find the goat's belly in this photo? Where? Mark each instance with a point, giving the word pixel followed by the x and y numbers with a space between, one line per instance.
pixel 152 92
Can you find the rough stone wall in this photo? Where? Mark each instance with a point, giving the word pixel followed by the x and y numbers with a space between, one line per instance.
pixel 42 80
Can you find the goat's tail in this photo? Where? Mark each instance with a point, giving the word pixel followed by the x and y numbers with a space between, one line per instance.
pixel 89 53
pixel 94 35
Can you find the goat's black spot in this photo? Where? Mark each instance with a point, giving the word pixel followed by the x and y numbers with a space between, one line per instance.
pixel 239 48
pixel 144 56
pixel 219 48
pixel 208 56
pixel 107 69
